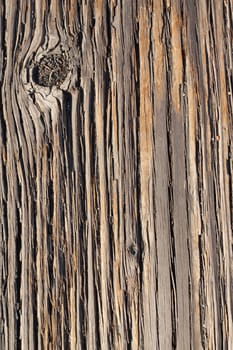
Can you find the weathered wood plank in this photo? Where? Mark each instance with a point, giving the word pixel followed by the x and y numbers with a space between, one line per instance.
pixel 116 174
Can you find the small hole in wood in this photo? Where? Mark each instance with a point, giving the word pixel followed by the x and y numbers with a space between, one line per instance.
pixel 132 249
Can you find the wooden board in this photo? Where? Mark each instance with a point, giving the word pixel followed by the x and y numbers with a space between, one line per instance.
pixel 116 182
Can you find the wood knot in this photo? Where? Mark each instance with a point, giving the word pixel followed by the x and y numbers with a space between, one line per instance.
pixel 51 70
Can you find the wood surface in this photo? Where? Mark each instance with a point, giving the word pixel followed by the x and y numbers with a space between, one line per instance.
pixel 116 174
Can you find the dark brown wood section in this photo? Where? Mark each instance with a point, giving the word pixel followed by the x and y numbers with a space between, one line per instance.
pixel 116 174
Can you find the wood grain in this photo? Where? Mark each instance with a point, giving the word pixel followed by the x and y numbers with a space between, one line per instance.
pixel 116 174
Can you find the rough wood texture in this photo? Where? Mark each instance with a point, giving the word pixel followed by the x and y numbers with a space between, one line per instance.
pixel 116 174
